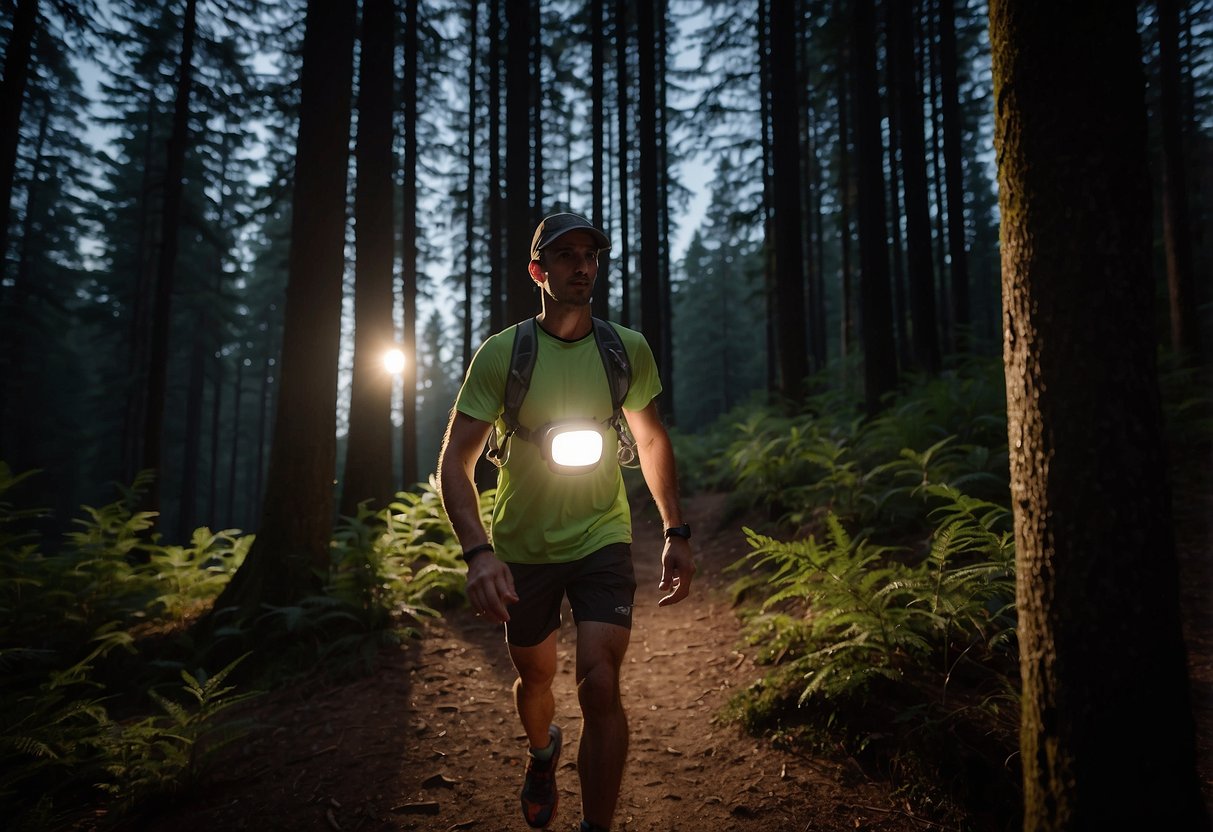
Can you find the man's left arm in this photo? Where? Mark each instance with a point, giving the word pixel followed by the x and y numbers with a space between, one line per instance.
pixel 656 454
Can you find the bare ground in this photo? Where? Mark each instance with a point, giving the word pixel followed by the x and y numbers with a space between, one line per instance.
pixel 431 742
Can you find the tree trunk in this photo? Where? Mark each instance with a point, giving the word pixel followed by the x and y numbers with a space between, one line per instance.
pixel 520 291
pixel 136 360
pixel 811 186
pixel 18 424
pixel 669 380
pixel 1176 220
pixel 234 452
pixel 212 502
pixel 901 315
pixel 646 157
pixel 291 551
pixel 1107 735
pixel 953 162
pixel 174 173
pixel 191 457
pixel 409 463
pixel 846 316
pixel 265 396
pixel 785 160
pixel 368 460
pixel 924 328
pixel 770 292
pixel 12 96
pixel 538 113
pixel 469 227
pixel 496 263
pixel 879 354
pixel 621 104
pixel 602 287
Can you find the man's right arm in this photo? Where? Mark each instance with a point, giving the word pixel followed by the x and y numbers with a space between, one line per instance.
pixel 490 583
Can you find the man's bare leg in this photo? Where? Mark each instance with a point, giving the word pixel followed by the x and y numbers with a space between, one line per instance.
pixel 533 697
pixel 604 737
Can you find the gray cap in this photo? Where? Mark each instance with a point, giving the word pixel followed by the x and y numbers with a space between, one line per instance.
pixel 558 224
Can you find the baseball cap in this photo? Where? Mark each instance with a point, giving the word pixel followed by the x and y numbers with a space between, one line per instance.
pixel 555 225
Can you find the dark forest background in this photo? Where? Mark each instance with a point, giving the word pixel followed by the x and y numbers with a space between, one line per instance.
pixel 149 161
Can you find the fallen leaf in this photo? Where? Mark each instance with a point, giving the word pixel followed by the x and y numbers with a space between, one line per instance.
pixel 438 781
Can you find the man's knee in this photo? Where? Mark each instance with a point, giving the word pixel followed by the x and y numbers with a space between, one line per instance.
pixel 535 679
pixel 536 666
pixel 598 690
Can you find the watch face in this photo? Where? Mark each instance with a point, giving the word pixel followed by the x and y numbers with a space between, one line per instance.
pixel 683 531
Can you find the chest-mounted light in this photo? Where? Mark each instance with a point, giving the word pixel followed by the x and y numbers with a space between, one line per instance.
pixel 571 446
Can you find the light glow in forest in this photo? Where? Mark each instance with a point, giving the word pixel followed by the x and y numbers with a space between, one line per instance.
pixel 393 360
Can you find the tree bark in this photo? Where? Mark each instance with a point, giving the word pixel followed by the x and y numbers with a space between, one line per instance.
pixel 1107 734
pixel 12 96
pixel 791 339
pixel 846 333
pixel 953 156
pixel 409 463
pixel 1176 218
pixel 469 227
pixel 621 106
pixel 291 551
pixel 368 460
pixel 174 173
pixel 602 287
pixel 520 291
pixel 924 330
pixel 651 323
pixel 879 353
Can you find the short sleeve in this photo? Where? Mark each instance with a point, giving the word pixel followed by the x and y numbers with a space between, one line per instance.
pixel 646 383
pixel 483 389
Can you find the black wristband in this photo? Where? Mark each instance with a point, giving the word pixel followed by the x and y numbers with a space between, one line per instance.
pixel 475 550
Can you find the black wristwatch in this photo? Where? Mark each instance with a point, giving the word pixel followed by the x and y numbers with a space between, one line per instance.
pixel 683 531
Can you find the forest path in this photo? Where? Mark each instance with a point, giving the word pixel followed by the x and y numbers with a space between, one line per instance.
pixel 430 741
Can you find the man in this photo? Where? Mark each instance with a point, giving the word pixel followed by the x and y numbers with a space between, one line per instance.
pixel 557 534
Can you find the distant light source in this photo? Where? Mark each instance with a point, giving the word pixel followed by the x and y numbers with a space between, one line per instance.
pixel 393 360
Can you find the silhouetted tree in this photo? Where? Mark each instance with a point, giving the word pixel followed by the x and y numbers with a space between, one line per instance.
pixel 519 291
pixel 170 219
pixel 953 156
pixel 789 275
pixel 1176 218
pixel 879 355
pixel 924 334
pixel 368 460
pixel 291 551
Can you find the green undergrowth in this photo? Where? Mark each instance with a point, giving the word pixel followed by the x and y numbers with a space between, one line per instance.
pixel 111 701
pixel 878 592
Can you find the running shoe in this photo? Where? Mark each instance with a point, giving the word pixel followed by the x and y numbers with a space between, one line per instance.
pixel 539 795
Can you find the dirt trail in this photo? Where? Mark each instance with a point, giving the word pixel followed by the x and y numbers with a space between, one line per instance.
pixel 431 742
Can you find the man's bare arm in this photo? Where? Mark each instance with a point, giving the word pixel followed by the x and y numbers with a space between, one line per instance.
pixel 490 583
pixel 657 463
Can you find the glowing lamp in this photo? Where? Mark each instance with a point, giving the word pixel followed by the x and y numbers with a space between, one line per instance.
pixel 573 446
pixel 393 360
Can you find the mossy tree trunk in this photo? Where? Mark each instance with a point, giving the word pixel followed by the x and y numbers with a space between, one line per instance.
pixel 1106 731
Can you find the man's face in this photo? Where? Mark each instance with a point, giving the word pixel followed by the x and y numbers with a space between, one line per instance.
pixel 568 268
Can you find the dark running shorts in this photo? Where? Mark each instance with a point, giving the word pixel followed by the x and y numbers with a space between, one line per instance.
pixel 601 587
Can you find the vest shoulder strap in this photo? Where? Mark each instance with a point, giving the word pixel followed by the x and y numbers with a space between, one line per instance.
pixel 522 366
pixel 614 361
pixel 518 378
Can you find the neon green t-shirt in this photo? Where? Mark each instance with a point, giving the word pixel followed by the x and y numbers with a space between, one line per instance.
pixel 542 516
